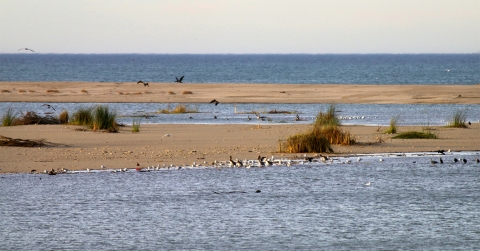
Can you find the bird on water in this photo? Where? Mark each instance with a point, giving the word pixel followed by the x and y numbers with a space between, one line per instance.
pixel 49 106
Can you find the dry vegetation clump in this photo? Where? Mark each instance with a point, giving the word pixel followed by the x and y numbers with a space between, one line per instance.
pixel 63 117
pixel 31 118
pixel 187 92
pixel 52 91
pixel 325 131
pixel 31 90
pixel 393 125
pixel 171 93
pixel 6 141
pixel 84 91
pixel 5 91
pixel 22 91
pixel 178 110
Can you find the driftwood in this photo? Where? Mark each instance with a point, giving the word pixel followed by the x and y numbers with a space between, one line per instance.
pixel 6 141
pixel 30 118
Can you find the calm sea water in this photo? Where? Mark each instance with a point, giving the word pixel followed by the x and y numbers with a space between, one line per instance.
pixel 293 68
pixel 351 114
pixel 407 206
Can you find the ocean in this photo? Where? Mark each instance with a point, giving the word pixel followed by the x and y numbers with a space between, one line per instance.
pixel 463 69
pixel 403 202
pixel 400 203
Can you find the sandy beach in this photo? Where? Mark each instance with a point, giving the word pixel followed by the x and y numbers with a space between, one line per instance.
pixel 79 150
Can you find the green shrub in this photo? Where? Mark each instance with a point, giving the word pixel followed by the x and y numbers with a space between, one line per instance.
pixel 9 117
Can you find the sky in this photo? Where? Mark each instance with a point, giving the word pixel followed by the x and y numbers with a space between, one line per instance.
pixel 240 26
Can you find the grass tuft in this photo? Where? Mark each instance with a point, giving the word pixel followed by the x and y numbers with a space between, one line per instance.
pixel 325 131
pixel 416 135
pixel 103 119
pixel 179 109
pixel 63 117
pixel 458 120
pixel 136 125
pixel 9 117
pixel 393 125
pixel 83 116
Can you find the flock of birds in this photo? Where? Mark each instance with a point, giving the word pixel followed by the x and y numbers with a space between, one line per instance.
pixel 259 162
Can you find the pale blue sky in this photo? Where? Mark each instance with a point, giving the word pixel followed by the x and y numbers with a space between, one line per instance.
pixel 240 26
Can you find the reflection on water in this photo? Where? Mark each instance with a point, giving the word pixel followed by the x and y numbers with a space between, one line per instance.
pixel 408 204
pixel 359 114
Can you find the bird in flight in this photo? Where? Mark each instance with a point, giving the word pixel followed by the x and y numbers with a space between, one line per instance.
pixel 215 102
pixel 49 106
pixel 144 83
pixel 26 49
pixel 179 80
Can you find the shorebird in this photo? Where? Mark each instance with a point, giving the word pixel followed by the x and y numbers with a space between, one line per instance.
pixel 26 49
pixel 477 160
pixel 215 102
pixel 49 106
pixel 455 159
pixel 367 184
pixel 441 161
pixel 166 135
pixel 464 160
pixel 179 80
pixel 433 162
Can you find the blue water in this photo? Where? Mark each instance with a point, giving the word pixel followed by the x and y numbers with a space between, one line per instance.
pixel 292 68
pixel 350 114
pixel 309 206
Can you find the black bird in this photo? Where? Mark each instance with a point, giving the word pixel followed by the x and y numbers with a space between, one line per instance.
pixel 455 159
pixel 464 161
pixel 49 106
pixel 441 151
pixel 441 161
pixel 139 82
pixel 215 102
pixel 478 160
pixel 179 80
pixel 26 49
pixel 469 123
pixel 144 83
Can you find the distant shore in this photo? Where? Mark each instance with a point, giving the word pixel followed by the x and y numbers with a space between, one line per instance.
pixel 237 93
pixel 79 150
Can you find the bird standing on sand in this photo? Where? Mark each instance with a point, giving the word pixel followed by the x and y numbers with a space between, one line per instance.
pixel 215 102
pixel 179 80
pixel 49 106
pixel 26 49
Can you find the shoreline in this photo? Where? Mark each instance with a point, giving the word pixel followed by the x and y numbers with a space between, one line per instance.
pixel 79 150
pixel 108 92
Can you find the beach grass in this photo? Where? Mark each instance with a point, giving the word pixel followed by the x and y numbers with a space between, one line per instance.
pixel 458 120
pixel 82 116
pixel 392 128
pixel 416 135
pixel 324 132
pixel 104 119
pixel 9 117
pixel 136 125
pixel 63 117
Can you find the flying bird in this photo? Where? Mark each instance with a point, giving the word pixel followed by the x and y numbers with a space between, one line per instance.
pixel 215 102
pixel 49 106
pixel 26 49
pixel 179 80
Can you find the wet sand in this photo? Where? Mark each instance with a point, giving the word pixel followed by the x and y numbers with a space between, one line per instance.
pixel 79 150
